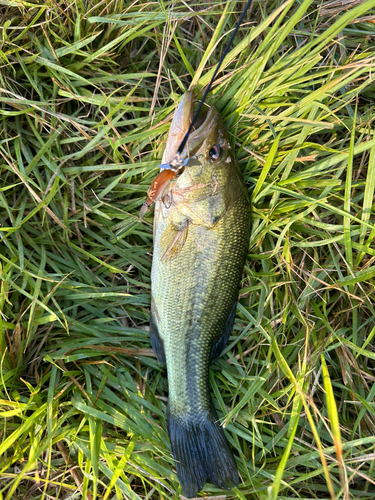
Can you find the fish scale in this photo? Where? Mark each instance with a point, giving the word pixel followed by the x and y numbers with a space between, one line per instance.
pixel 200 243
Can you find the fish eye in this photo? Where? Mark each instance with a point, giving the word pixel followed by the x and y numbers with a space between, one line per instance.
pixel 214 152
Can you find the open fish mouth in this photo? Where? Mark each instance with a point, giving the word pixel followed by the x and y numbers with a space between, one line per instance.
pixel 205 125
pixel 180 126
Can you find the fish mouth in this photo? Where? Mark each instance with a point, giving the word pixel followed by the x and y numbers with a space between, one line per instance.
pixel 203 133
pixel 180 126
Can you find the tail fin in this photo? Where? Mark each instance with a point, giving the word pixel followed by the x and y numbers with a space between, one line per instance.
pixel 201 452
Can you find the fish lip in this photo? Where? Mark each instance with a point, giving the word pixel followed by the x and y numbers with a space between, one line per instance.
pixel 179 126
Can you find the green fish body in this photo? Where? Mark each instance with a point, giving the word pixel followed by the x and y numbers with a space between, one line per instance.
pixel 201 234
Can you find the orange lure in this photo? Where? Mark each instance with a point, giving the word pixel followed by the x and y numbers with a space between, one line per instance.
pixel 158 188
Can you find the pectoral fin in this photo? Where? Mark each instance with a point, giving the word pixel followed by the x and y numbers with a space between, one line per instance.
pixel 173 241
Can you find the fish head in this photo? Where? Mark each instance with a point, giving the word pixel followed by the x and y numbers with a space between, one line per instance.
pixel 207 147
pixel 207 161
pixel 208 133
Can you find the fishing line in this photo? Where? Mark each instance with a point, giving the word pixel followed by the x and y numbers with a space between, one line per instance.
pixel 177 162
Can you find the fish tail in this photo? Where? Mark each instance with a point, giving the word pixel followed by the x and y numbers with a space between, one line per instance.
pixel 201 452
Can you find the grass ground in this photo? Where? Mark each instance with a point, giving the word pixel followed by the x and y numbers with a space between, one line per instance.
pixel 87 91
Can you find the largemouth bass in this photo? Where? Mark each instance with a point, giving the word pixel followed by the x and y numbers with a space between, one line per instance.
pixel 201 235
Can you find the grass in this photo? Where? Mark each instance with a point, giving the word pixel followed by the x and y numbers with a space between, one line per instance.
pixel 87 91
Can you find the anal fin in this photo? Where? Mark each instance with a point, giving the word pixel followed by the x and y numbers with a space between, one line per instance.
pixel 221 341
pixel 156 341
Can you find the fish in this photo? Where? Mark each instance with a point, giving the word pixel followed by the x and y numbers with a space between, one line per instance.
pixel 201 238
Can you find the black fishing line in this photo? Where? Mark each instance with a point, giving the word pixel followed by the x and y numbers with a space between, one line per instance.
pixel 177 160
